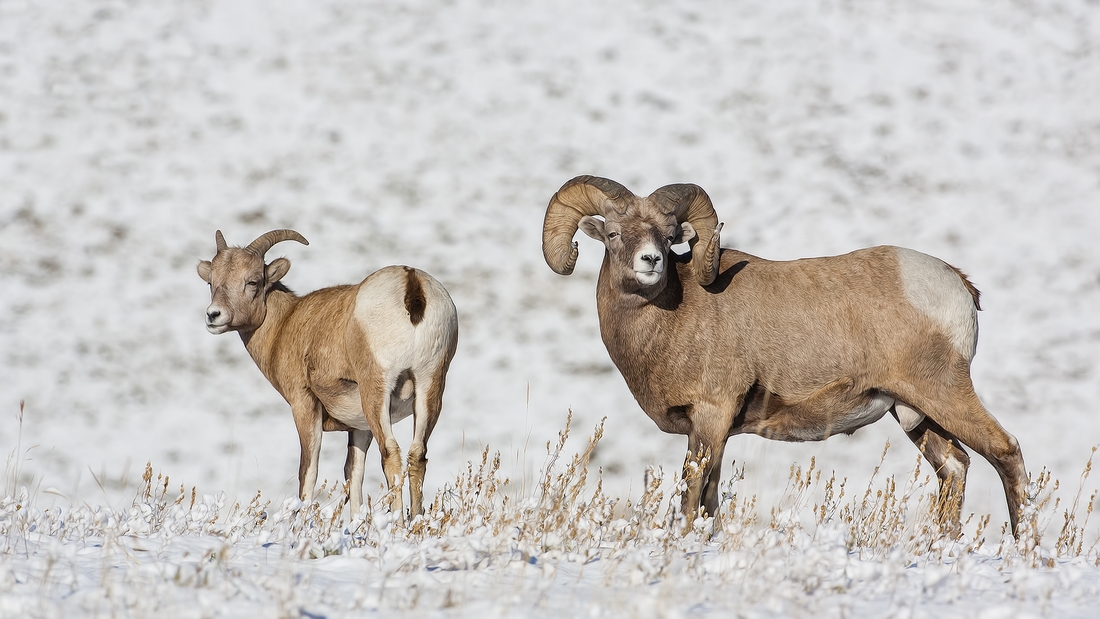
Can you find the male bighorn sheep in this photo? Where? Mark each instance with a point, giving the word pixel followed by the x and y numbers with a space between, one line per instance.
pixel 725 343
pixel 346 358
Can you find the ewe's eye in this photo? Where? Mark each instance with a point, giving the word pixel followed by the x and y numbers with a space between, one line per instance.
pixel 612 235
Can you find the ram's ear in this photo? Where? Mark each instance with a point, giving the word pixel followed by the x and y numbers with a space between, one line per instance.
pixel 276 270
pixel 592 227
pixel 687 233
pixel 204 270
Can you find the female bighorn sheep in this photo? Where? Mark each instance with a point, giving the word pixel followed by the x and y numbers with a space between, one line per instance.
pixel 727 343
pixel 355 358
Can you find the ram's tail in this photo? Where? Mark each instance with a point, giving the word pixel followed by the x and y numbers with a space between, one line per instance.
pixel 973 290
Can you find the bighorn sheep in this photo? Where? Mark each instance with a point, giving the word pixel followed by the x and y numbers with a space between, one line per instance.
pixel 725 343
pixel 355 358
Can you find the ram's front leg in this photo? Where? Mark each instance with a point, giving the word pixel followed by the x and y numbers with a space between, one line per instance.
pixel 710 425
pixel 308 420
pixel 698 457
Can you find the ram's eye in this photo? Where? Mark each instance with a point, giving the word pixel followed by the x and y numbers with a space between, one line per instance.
pixel 612 235
pixel 670 238
pixel 252 284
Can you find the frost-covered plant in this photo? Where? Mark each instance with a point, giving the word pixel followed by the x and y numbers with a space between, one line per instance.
pixel 481 522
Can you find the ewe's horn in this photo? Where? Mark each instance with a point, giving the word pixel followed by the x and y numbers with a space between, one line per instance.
pixel 583 195
pixel 260 246
pixel 691 204
pixel 220 240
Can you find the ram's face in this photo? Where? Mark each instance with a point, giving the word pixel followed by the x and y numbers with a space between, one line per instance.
pixel 638 244
pixel 238 284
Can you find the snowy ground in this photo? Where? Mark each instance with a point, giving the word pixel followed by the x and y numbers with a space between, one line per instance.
pixel 562 549
pixel 433 134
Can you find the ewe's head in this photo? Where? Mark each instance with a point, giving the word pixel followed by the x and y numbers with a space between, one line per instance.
pixel 239 281
pixel 637 232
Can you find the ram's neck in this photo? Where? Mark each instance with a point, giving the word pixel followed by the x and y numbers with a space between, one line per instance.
pixel 260 342
pixel 641 332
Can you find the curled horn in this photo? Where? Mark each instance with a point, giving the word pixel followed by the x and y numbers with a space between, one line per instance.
pixel 583 195
pixel 220 240
pixel 260 246
pixel 691 204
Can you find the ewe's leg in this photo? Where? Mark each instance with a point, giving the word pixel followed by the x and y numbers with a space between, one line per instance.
pixel 307 419
pixel 961 414
pixel 375 385
pixel 429 401
pixel 391 458
pixel 376 407
pixel 358 443
pixel 950 461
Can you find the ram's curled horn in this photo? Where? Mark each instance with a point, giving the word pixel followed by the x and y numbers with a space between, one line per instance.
pixel 220 240
pixel 260 246
pixel 691 204
pixel 583 195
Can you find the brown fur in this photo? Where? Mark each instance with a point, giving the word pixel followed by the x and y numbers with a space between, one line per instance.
pixel 786 350
pixel 782 376
pixel 316 354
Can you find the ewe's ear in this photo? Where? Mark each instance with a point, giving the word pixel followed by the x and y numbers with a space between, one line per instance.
pixel 687 232
pixel 204 270
pixel 276 270
pixel 592 227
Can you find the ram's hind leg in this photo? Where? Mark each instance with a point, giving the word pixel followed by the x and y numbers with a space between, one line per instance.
pixel 959 412
pixel 358 443
pixel 949 460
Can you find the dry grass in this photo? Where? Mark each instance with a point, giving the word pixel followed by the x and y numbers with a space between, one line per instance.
pixel 569 518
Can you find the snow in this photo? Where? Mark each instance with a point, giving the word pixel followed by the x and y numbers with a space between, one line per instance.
pixel 563 550
pixel 433 134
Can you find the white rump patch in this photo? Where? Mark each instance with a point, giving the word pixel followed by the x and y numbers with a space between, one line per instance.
pixel 938 292
pixel 396 344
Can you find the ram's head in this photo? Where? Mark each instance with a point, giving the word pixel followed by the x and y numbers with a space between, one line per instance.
pixel 637 232
pixel 240 280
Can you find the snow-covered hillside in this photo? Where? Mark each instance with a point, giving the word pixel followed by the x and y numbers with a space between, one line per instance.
pixel 434 133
